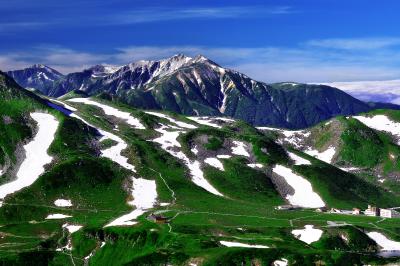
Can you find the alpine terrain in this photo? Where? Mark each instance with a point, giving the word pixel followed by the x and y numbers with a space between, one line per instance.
pixel 159 163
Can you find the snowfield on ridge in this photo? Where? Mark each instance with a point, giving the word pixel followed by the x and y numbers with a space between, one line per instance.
pixel 36 154
pixel 112 111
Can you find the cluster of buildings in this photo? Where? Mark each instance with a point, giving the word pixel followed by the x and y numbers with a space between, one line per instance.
pixel 371 211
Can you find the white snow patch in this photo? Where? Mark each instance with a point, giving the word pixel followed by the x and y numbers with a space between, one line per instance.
pixel 215 163
pixel 240 245
pixel 170 119
pixel 114 152
pixel 108 110
pixel 209 121
pixel 194 150
pixel 224 156
pixel 304 195
pixel 298 160
pixel 169 143
pixel 57 216
pixel 240 148
pixel 144 195
pixel 384 242
pixel 325 156
pixel 293 137
pixel 308 235
pixel 255 165
pixel 382 123
pixel 36 155
pixel 349 169
pixel 72 228
pixel 63 203
pixel 281 262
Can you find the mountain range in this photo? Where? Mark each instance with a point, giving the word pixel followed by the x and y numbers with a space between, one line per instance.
pixel 199 86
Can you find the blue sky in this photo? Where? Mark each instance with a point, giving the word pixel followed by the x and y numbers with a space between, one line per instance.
pixel 286 40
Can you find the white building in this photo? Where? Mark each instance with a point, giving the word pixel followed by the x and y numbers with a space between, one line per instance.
pixel 372 211
pixel 389 213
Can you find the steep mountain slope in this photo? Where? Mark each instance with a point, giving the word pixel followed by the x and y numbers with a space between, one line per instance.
pixel 365 145
pixel 133 187
pixel 198 86
pixel 39 77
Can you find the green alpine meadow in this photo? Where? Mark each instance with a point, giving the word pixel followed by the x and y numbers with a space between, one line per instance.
pixel 132 186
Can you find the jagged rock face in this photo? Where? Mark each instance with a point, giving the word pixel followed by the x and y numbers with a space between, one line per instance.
pixel 38 76
pixel 198 86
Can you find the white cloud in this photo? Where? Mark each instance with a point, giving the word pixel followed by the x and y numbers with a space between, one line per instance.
pixel 376 91
pixel 353 44
pixel 166 14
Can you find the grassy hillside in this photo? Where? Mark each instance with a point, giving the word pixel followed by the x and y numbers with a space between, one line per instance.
pixel 198 220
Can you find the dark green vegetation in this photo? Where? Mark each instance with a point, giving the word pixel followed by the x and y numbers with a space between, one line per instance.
pixel 198 220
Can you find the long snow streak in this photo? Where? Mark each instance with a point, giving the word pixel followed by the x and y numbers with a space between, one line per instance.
pixel 304 195
pixel 108 110
pixel 36 154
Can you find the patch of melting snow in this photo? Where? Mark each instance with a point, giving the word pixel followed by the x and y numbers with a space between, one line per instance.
pixel 325 156
pixel 36 155
pixel 240 148
pixel 204 121
pixel 281 262
pixel 71 227
pixel 57 216
pixel 308 235
pixel 240 245
pixel 255 165
pixel 63 203
pixel 349 169
pixel 382 123
pixel 344 238
pixel 298 160
pixel 304 195
pixel 384 242
pixel 210 121
pixel 224 156
pixel 112 111
pixel 144 195
pixel 293 137
pixel 194 150
pixel 169 143
pixel 114 153
pixel 215 163
pixel 170 119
